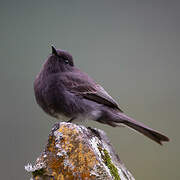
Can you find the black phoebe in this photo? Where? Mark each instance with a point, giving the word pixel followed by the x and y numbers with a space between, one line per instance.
pixel 66 93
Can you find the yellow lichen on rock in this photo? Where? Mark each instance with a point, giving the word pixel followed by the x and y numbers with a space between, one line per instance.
pixel 78 153
pixel 69 155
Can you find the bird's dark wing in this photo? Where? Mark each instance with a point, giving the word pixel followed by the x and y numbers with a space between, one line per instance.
pixel 81 84
pixel 102 97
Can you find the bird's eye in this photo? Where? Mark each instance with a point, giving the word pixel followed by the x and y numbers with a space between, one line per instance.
pixel 66 61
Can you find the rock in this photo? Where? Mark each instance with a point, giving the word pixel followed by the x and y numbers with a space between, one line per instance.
pixel 75 152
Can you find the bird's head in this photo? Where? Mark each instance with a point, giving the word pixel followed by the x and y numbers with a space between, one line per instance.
pixel 58 61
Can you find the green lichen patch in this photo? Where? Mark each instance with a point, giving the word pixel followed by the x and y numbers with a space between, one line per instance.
pixel 107 160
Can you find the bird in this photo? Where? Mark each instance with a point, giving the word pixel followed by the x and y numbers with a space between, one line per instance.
pixel 65 92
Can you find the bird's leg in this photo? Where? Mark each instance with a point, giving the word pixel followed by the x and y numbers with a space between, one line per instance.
pixel 71 120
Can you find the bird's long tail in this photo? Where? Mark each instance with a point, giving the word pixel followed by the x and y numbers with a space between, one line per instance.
pixel 140 127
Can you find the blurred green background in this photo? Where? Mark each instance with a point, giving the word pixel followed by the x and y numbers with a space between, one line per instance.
pixel 132 48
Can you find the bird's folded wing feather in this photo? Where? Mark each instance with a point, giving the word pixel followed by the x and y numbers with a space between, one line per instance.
pixel 81 84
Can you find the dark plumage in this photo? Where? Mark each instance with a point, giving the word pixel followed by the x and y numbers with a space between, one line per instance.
pixel 66 93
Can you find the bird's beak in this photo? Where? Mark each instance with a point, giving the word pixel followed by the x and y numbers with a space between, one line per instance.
pixel 54 51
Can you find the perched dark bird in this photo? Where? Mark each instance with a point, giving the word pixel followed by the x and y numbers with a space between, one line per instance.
pixel 66 93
